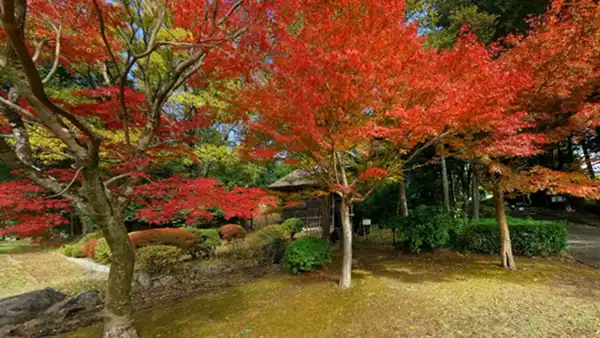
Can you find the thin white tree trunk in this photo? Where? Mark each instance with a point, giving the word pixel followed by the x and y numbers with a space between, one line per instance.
pixel 346 278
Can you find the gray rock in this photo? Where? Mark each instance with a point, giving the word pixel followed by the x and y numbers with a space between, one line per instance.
pixel 82 301
pixel 144 279
pixel 21 308
pixel 80 310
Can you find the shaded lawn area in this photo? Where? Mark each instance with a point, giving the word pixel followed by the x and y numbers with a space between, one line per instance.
pixel 23 272
pixel 441 295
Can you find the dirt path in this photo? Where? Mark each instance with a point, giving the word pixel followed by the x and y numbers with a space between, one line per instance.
pixel 584 243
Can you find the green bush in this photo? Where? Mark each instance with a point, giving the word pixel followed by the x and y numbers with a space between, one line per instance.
pixel 72 250
pixel 294 225
pixel 528 237
pixel 91 235
pixel 275 249
pixel 207 240
pixel 306 254
pixel 425 228
pixel 157 260
pixel 102 252
pixel 262 236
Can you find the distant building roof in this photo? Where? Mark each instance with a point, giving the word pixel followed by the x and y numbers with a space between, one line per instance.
pixel 296 179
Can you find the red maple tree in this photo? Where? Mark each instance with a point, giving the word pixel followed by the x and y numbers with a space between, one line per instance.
pixel 134 55
pixel 561 58
pixel 352 93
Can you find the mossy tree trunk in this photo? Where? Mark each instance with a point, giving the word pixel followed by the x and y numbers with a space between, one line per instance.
pixel 506 254
pixel 118 321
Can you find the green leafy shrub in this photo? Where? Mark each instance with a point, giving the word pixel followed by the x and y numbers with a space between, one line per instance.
pixel 306 254
pixel 157 260
pixel 89 236
pixel 425 228
pixel 294 225
pixel 72 250
pixel 102 252
pixel 178 237
pixel 207 240
pixel 232 231
pixel 262 236
pixel 275 249
pixel 528 237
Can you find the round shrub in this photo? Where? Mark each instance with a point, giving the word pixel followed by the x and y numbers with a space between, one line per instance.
pixel 306 254
pixel 89 247
pixel 231 231
pixel 178 237
pixel 425 228
pixel 157 260
pixel 72 250
pixel 207 240
pixel 263 236
pixel 90 235
pixel 294 225
pixel 102 252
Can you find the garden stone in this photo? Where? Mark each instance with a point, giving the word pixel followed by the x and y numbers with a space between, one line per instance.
pixel 80 310
pixel 19 309
pixel 144 279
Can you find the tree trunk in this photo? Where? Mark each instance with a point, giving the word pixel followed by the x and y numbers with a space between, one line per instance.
pixel 445 185
pixel 345 280
pixel 327 218
pixel 506 254
pixel 402 210
pixel 588 161
pixel 118 321
pixel 476 198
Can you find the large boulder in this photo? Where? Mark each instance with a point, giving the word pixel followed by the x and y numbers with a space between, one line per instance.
pixel 21 308
pixel 81 310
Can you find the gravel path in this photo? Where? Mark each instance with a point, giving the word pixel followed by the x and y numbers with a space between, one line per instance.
pixel 90 266
pixel 584 243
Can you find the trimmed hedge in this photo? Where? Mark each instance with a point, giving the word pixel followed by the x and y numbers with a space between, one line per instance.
pixel 293 225
pixel 72 250
pixel 262 236
pixel 528 237
pixel 207 240
pixel 177 237
pixel 158 260
pixel 306 254
pixel 90 247
pixel 102 252
pixel 231 231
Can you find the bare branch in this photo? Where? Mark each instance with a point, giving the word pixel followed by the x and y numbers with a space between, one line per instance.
pixel 56 55
pixel 17 108
pixel 116 178
pixel 38 50
pixel 230 12
pixel 103 34
pixel 68 185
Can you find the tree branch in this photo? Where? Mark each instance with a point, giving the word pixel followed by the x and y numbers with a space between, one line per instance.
pixel 68 185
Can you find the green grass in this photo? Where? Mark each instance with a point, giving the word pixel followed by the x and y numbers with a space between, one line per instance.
pixel 441 294
pixel 20 246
